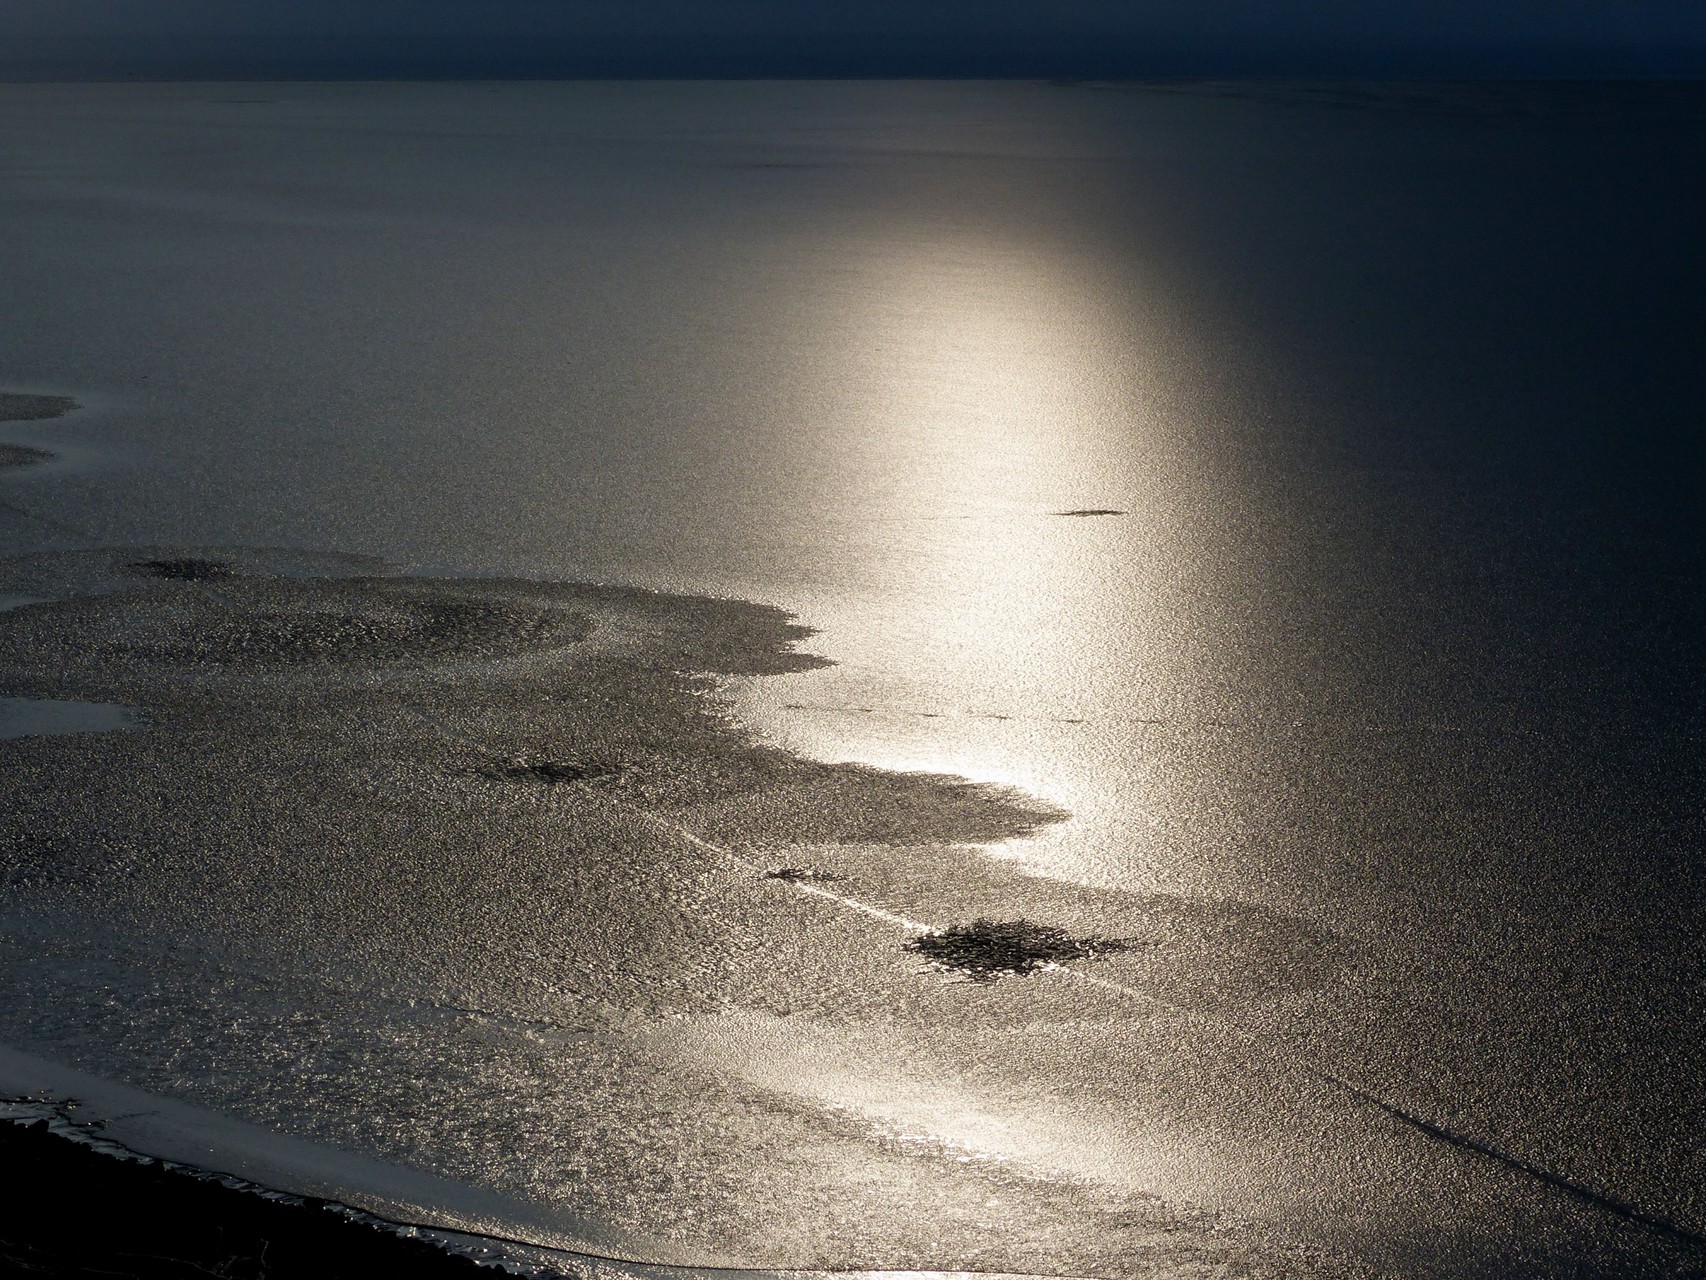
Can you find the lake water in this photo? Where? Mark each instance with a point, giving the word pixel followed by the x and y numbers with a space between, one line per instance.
pixel 1298 486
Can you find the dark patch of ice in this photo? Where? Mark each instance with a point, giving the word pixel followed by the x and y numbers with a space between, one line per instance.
pixel 793 875
pixel 22 408
pixel 985 950
pixel 21 455
pixel 551 772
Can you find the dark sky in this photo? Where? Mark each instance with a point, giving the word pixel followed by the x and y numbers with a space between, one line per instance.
pixel 336 38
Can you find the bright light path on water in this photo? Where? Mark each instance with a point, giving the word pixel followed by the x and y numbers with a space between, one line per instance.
pixel 986 387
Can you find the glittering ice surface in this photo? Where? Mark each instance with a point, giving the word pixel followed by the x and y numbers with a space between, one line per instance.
pixel 1257 524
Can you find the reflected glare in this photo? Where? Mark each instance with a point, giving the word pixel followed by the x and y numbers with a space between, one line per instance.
pixel 986 381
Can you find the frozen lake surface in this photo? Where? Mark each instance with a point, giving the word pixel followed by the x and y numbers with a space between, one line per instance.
pixel 1256 525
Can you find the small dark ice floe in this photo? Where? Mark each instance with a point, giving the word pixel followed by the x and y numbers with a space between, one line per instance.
pixel 22 455
pixel 1089 511
pixel 985 950
pixel 551 772
pixel 15 407
pixel 794 875
pixel 183 569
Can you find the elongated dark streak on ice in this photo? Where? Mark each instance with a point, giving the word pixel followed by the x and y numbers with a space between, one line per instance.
pixel 1431 1129
pixel 1611 1204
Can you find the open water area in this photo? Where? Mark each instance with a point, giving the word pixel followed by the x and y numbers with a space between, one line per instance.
pixel 535 619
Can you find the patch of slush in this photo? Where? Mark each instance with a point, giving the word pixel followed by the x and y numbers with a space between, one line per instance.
pixel 22 455
pixel 15 407
pixel 42 717
pixel 985 950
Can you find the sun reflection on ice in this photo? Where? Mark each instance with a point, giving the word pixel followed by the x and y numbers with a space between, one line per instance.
pixel 919 1104
pixel 985 382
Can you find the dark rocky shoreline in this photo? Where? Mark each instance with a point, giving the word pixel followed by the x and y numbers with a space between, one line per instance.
pixel 76 1211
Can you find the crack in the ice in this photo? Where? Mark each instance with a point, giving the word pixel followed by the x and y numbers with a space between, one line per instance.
pixel 1468 1142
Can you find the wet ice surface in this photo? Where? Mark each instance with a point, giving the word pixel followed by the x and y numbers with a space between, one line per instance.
pixel 1293 495
pixel 321 863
